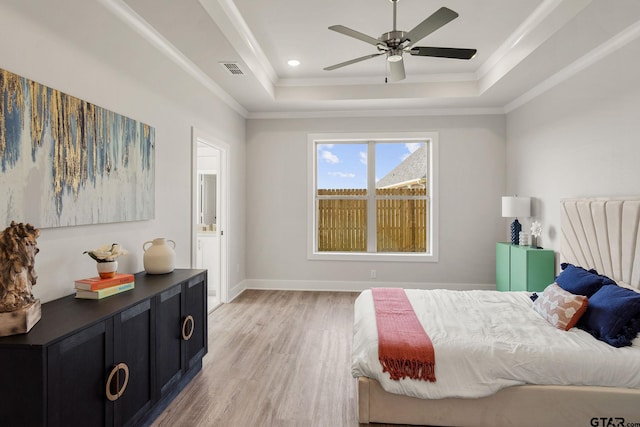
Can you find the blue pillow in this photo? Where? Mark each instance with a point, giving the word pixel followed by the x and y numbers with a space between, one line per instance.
pixel 613 315
pixel 605 280
pixel 579 281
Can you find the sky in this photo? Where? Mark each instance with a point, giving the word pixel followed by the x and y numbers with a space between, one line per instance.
pixel 345 165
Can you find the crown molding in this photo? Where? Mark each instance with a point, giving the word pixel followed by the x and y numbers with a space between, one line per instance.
pixel 127 15
pixel 543 23
pixel 616 42
pixel 377 113
pixel 227 17
pixel 370 80
pixel 547 19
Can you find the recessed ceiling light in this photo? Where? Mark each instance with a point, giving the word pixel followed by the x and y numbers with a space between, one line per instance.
pixel 293 62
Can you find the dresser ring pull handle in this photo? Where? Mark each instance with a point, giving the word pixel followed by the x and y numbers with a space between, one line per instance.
pixel 115 372
pixel 187 336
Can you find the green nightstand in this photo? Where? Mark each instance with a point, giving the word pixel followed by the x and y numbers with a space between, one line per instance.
pixel 522 268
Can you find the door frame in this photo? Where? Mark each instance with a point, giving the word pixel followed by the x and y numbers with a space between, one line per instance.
pixel 198 136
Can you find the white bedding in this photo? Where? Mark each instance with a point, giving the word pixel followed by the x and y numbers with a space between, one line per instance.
pixel 488 340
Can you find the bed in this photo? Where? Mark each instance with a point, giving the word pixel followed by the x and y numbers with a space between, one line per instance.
pixel 600 234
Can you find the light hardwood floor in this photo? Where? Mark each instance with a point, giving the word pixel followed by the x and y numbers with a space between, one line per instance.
pixel 276 358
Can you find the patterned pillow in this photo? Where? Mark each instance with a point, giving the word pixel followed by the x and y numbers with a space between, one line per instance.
pixel 560 308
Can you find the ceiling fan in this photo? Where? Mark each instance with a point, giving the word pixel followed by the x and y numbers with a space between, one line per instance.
pixel 395 42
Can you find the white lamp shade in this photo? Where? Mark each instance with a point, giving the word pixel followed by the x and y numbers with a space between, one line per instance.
pixel 513 207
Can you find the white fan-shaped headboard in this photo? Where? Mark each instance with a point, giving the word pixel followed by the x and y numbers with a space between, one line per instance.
pixel 603 233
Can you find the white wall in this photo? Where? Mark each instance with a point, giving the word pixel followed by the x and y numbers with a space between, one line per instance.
pixel 579 139
pixel 471 181
pixel 79 48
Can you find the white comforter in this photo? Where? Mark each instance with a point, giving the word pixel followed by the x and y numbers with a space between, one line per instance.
pixel 487 340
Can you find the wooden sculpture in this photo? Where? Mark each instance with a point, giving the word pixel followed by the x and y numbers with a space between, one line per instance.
pixel 19 310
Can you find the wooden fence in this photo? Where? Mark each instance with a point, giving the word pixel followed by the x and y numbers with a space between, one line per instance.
pixel 401 220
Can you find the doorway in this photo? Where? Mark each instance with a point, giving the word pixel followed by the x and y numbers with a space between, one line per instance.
pixel 209 249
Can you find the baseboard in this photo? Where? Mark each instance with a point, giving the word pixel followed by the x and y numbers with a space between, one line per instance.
pixel 236 290
pixel 354 286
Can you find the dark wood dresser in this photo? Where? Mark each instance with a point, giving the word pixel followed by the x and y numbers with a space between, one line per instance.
pixel 117 361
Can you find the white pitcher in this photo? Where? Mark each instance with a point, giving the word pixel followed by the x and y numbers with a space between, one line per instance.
pixel 160 257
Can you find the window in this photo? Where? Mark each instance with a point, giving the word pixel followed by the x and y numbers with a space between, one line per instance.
pixel 372 197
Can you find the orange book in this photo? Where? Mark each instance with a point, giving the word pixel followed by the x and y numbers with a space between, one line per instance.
pixel 96 283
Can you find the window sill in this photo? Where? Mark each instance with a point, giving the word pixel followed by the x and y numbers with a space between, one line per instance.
pixel 377 257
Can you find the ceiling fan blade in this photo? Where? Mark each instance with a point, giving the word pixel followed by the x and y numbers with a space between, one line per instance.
pixel 353 61
pixel 397 70
pixel 355 34
pixel 443 52
pixel 439 18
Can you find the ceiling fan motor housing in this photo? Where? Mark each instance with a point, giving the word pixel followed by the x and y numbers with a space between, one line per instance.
pixel 393 39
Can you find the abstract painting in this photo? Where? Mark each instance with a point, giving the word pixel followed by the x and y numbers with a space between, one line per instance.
pixel 65 161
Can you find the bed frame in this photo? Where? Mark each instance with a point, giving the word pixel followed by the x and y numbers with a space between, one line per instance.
pixel 600 233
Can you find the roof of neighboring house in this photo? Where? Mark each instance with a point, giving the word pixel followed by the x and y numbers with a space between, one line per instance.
pixel 412 170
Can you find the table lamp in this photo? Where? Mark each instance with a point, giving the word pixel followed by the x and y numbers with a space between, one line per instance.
pixel 514 207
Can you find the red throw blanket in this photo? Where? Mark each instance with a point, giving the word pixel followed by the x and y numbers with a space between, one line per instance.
pixel 404 348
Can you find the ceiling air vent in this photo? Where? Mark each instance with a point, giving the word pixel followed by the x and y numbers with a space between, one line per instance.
pixel 233 68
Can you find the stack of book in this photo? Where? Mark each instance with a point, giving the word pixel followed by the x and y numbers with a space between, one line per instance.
pixel 97 288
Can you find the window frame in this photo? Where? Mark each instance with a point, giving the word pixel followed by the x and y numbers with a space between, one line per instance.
pixel 431 138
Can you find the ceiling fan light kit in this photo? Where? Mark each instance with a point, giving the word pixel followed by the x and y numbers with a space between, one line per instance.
pixel 397 70
pixel 394 56
pixel 394 43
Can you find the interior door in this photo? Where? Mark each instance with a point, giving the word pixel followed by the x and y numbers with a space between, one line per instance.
pixel 210 196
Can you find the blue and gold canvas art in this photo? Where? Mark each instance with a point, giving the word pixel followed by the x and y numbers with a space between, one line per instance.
pixel 66 162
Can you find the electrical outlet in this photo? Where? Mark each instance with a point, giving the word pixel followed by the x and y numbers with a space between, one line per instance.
pixel 372 274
